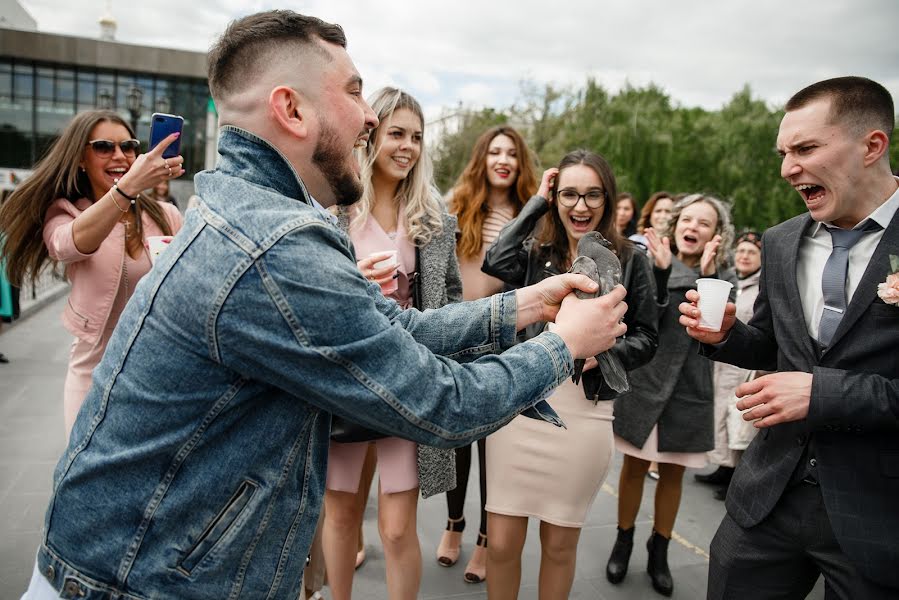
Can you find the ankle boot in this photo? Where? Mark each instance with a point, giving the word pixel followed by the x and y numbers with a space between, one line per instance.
pixel 720 476
pixel 657 567
pixel 616 568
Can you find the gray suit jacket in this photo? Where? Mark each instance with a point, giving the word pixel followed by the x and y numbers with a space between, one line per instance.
pixel 854 410
pixel 441 284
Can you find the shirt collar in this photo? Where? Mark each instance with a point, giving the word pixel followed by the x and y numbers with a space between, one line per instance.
pixel 323 210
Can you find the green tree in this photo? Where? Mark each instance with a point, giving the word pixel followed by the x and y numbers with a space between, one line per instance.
pixel 651 142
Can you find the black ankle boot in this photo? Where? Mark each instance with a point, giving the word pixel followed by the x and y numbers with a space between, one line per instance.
pixel 657 567
pixel 720 476
pixel 616 568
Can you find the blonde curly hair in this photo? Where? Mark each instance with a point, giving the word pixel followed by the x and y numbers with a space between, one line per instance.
pixel 724 227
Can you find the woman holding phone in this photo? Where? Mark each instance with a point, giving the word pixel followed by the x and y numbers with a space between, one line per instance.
pixel 82 207
pixel 493 187
pixel 406 244
pixel 535 469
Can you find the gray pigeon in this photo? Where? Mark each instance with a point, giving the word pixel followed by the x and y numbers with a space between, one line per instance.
pixel 600 264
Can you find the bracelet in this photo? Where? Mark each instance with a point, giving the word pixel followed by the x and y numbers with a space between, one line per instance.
pixel 133 199
pixel 112 196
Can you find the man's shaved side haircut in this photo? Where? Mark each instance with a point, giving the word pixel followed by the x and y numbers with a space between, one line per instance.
pixel 235 57
pixel 857 102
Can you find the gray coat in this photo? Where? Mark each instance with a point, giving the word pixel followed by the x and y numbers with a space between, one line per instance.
pixel 441 284
pixel 674 390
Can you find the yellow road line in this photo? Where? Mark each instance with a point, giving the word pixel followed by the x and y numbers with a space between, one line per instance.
pixel 607 488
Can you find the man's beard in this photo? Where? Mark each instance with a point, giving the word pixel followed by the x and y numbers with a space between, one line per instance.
pixel 332 163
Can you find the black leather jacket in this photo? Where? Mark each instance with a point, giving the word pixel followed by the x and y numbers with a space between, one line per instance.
pixel 516 259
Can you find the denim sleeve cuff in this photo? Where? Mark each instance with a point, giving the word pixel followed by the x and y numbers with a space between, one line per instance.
pixel 562 361
pixel 503 318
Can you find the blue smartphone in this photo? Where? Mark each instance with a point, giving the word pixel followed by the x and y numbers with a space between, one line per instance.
pixel 162 126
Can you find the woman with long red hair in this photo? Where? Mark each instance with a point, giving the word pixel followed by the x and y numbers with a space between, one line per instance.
pixel 496 183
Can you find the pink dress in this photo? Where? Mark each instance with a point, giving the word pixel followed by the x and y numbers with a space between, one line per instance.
pixel 85 356
pixel 397 458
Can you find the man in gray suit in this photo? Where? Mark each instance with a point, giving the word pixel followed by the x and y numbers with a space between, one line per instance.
pixel 817 492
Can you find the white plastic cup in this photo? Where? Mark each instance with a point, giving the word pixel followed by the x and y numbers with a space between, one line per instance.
pixel 713 296
pixel 391 259
pixel 156 245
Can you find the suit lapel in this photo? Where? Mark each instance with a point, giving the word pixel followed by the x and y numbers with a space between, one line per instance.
pixel 877 271
pixel 792 242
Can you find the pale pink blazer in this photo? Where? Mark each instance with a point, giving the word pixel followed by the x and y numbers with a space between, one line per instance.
pixel 95 277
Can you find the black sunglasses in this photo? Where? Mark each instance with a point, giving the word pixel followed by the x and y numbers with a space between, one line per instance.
pixel 105 148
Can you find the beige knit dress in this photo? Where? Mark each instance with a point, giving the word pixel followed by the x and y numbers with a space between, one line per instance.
pixel 551 473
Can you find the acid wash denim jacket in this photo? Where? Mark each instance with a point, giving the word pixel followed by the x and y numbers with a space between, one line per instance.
pixel 196 466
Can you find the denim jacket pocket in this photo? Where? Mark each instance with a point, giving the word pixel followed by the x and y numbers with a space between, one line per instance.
pixel 219 526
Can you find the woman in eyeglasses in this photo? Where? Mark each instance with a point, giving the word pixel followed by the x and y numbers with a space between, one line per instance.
pixel 535 469
pixel 81 208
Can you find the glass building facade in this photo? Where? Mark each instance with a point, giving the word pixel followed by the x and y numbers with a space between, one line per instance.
pixel 37 101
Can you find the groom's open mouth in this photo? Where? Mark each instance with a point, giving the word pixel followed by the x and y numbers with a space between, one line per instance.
pixel 810 191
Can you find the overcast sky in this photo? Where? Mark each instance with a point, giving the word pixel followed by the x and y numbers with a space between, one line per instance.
pixel 478 51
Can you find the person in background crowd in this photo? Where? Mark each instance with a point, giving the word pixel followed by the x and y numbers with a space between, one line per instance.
pixel 730 441
pixel 82 207
pixel 815 493
pixel 198 468
pixel 654 214
pixel 7 309
pixel 160 193
pixel 525 459
pixel 399 212
pixel 495 184
pixel 626 214
pixel 668 416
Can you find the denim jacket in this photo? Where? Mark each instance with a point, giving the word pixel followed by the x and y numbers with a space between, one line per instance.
pixel 196 466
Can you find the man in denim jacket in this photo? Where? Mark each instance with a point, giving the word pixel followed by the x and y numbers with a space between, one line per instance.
pixel 196 466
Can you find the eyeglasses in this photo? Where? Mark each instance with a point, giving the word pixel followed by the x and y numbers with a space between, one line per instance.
pixel 106 148
pixel 570 198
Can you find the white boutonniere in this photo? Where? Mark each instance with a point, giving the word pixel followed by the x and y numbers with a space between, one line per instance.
pixel 889 289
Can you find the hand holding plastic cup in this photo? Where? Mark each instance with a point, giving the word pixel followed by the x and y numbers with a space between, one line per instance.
pixel 390 260
pixel 156 245
pixel 713 296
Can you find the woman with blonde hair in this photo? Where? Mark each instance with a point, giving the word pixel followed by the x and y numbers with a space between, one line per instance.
pixel 668 415
pixel 494 186
pixel 406 243
pixel 82 208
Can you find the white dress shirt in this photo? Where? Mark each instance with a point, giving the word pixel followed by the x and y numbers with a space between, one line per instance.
pixel 814 250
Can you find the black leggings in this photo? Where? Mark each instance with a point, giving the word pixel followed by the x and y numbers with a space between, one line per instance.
pixel 455 499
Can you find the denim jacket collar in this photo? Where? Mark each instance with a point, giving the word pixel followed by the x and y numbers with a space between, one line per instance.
pixel 242 153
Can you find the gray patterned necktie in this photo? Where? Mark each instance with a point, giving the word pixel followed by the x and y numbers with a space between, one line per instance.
pixel 833 281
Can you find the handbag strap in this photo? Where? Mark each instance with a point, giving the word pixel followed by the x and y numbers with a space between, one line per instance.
pixel 415 282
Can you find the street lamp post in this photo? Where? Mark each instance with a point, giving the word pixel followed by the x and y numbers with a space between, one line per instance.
pixel 134 103
pixel 163 105
pixel 104 99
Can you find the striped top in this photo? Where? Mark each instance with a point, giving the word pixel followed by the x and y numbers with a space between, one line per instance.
pixel 475 283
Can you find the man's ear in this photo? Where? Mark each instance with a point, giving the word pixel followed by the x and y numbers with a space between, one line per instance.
pixel 876 145
pixel 289 110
